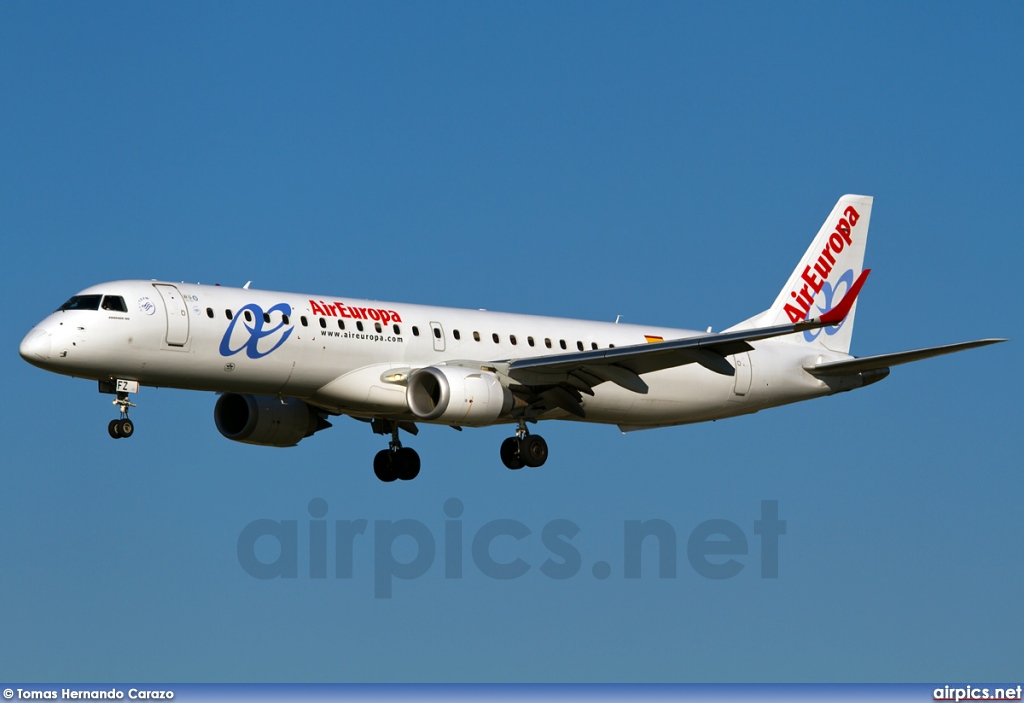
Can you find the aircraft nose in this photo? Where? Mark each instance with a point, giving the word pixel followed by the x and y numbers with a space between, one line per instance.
pixel 36 346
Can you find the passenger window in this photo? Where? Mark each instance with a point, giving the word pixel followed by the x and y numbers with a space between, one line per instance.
pixel 248 316
pixel 455 333
pixel 209 313
pixel 512 338
pixel 304 321
pixel 284 319
pixel 228 314
pixel 415 331
pixel 376 326
pixel 323 323
pixel 495 337
pixel 341 324
pixel 529 340
pixel 561 343
pixel 579 345
pixel 359 325
pixel 397 329
pixel 437 332
pixel 611 346
pixel 114 303
pixel 547 342
pixel 593 345
pixel 476 336
pixel 266 318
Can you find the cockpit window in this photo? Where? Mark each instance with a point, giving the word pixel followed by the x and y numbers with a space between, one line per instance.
pixel 82 302
pixel 114 303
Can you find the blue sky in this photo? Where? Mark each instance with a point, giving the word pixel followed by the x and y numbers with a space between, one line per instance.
pixel 666 162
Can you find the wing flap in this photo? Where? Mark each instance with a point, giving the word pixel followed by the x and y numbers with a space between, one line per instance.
pixel 619 376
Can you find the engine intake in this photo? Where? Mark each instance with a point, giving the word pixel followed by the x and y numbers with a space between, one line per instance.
pixel 266 420
pixel 457 396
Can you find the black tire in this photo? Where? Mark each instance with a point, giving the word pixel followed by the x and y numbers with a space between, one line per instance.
pixel 114 429
pixel 406 464
pixel 510 454
pixel 383 466
pixel 126 428
pixel 534 450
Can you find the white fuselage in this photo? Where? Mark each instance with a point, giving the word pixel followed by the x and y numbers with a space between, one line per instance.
pixel 336 354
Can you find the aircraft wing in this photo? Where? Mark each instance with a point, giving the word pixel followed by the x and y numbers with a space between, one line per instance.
pixel 880 361
pixel 624 365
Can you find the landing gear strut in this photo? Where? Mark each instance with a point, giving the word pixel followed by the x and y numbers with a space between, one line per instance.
pixel 524 449
pixel 396 462
pixel 123 427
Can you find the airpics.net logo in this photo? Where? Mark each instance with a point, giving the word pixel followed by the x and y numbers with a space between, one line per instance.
pixel 503 549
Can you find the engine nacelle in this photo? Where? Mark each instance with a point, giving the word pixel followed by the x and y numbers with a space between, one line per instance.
pixel 457 396
pixel 266 420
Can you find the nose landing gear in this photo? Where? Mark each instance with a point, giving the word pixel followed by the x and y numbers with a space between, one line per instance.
pixel 123 427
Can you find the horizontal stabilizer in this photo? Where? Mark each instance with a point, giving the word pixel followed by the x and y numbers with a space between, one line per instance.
pixel 881 361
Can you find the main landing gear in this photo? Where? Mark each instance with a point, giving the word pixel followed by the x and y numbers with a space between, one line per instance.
pixel 524 449
pixel 396 462
pixel 123 427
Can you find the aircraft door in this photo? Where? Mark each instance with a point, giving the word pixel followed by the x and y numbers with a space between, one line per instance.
pixel 177 315
pixel 742 377
pixel 438 334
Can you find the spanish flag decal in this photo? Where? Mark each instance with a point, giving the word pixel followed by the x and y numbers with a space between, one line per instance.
pixel 651 339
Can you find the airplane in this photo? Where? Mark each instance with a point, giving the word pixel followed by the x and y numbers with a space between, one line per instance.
pixel 283 363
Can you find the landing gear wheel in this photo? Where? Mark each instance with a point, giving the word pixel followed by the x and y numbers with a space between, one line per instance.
pixel 383 466
pixel 533 450
pixel 396 462
pixel 125 427
pixel 510 454
pixel 406 464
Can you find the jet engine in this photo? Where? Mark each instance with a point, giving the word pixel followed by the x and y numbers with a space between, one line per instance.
pixel 266 420
pixel 457 396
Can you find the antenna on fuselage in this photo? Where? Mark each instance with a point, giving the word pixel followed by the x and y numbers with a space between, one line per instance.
pixel 617 319
pixel 246 286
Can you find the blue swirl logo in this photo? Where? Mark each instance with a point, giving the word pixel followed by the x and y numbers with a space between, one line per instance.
pixel 256 331
pixel 832 297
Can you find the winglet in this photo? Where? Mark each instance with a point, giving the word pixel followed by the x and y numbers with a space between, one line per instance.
pixel 839 312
